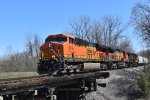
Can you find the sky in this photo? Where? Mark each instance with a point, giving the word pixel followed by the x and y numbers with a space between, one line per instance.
pixel 45 17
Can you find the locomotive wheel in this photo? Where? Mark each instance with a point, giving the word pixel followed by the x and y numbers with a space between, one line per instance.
pixel 39 70
pixel 81 67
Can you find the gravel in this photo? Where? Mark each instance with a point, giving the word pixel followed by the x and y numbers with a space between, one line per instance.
pixel 118 86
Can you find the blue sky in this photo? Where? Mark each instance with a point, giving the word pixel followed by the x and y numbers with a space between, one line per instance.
pixel 44 17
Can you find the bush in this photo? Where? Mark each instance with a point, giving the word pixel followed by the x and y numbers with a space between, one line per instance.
pixel 144 82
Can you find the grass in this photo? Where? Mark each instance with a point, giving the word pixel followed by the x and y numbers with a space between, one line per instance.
pixel 7 75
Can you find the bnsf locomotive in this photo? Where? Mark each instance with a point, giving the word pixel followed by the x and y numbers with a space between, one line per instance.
pixel 63 52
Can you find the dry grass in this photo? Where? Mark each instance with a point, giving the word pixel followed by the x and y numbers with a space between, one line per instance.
pixel 7 75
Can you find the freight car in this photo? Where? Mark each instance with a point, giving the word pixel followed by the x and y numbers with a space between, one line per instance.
pixel 62 52
pixel 142 60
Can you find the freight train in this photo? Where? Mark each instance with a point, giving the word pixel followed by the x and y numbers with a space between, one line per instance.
pixel 62 52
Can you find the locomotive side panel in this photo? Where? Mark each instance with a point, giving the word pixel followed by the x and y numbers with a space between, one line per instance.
pixel 80 51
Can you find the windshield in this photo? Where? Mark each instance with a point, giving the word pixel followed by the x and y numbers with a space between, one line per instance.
pixel 57 39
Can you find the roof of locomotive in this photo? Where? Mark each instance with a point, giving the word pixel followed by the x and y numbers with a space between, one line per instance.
pixel 81 41
pixel 86 43
pixel 129 53
pixel 119 50
pixel 104 47
pixel 61 34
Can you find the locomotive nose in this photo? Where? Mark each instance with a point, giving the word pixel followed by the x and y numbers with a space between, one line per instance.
pixel 53 46
pixel 51 50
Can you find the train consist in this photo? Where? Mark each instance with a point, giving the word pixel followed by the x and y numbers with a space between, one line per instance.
pixel 62 52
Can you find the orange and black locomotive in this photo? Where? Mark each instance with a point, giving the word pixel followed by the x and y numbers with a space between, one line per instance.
pixel 62 52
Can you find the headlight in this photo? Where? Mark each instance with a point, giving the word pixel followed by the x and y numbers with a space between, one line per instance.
pixel 49 45
pixel 53 56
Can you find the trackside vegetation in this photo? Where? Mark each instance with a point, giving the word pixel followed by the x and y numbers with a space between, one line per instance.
pixel 144 82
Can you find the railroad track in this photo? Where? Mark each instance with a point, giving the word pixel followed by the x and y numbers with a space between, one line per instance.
pixel 27 85
pixel 44 80
pixel 43 77
pixel 9 86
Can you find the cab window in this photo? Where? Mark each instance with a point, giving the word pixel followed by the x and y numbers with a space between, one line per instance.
pixel 56 39
pixel 71 40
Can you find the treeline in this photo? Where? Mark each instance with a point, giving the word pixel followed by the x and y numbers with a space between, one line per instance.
pixel 22 61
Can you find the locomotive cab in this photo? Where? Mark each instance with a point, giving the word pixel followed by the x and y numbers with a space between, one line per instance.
pixel 53 47
pixel 52 54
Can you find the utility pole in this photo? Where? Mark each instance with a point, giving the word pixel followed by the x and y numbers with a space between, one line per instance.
pixel 143 59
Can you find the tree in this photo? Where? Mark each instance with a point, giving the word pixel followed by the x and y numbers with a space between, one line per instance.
pixel 125 44
pixel 33 43
pixel 37 44
pixel 141 20
pixel 111 29
pixel 108 31
pixel 97 34
pixel 81 28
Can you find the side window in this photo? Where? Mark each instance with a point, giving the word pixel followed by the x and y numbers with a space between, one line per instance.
pixel 71 40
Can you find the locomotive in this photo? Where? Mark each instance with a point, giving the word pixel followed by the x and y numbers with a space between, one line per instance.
pixel 62 52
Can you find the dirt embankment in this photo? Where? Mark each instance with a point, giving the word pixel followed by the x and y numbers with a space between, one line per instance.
pixel 119 86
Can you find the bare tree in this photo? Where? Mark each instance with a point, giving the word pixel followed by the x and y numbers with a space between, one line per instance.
pixel 141 20
pixel 33 43
pixel 108 31
pixel 125 44
pixel 37 44
pixel 112 27
pixel 29 44
pixel 97 34
pixel 81 28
